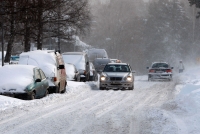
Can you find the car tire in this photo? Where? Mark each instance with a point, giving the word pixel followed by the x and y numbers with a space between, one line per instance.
pixel 56 89
pixel 63 91
pixel 102 88
pixel 131 88
pixel 31 96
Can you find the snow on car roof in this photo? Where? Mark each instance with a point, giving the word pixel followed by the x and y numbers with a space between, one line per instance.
pixel 117 63
pixel 15 77
pixel 74 53
pixel 159 62
pixel 43 59
pixel 77 59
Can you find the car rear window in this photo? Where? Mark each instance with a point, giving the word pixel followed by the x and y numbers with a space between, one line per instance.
pixel 101 61
pixel 160 65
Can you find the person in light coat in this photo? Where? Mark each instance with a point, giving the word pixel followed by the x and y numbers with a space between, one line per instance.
pixel 181 66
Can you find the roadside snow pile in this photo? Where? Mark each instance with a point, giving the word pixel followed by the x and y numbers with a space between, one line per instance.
pixel 72 89
pixel 6 102
pixel 185 108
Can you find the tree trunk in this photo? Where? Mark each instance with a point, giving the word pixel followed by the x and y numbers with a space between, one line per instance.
pixel 11 39
pixel 27 44
pixel 40 33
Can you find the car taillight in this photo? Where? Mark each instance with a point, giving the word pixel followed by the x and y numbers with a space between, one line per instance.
pixel 168 70
pixel 151 71
pixel 85 72
pixel 54 78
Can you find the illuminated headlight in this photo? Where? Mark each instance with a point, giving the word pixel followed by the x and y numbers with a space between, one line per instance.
pixel 129 78
pixel 103 78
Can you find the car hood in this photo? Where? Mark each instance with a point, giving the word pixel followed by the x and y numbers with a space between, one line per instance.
pixel 15 78
pixel 14 86
pixel 117 74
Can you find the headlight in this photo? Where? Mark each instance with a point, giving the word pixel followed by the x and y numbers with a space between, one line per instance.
pixel 129 78
pixel 103 78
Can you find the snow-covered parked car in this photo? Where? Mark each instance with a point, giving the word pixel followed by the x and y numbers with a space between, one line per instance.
pixel 51 62
pixel 24 81
pixel 81 61
pixel 160 70
pixel 71 72
pixel 117 75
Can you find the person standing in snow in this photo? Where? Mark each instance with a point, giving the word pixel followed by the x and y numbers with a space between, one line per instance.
pixel 181 66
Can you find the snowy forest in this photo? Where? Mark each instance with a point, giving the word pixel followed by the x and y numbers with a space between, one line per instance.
pixel 141 32
pixel 134 31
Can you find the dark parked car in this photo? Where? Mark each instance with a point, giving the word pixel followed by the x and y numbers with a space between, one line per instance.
pixel 160 70
pixel 117 75
pixel 81 61
pixel 25 81
pixel 99 64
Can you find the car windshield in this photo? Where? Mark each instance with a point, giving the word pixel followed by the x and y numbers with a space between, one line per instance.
pixel 116 68
pixel 160 65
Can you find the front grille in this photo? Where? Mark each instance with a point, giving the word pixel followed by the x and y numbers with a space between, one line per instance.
pixel 115 78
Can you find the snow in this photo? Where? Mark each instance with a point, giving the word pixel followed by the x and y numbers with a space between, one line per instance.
pixel 39 58
pixel 152 107
pixel 70 71
pixel 77 60
pixel 15 77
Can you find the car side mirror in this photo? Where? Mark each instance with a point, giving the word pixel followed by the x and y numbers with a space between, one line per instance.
pixel 147 67
pixel 61 67
pixel 38 80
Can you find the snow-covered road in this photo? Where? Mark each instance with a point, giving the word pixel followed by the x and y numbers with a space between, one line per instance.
pixel 85 109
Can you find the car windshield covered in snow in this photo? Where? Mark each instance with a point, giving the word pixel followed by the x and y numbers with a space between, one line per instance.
pixel 116 68
pixel 160 65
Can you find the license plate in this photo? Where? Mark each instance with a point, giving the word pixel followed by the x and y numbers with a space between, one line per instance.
pixel 115 82
pixel 159 71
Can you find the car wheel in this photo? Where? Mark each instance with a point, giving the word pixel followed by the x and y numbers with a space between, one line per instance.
pixel 31 96
pixel 56 89
pixel 102 88
pixel 63 91
pixel 131 88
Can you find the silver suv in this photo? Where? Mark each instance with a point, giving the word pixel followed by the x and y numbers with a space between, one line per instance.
pixel 117 75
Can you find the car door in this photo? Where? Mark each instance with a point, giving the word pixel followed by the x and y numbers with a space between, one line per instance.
pixel 44 82
pixel 39 86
